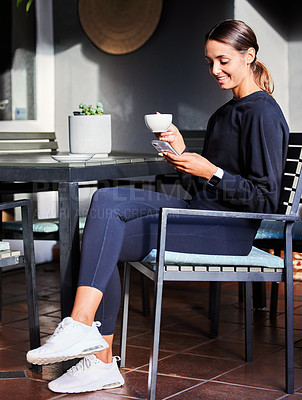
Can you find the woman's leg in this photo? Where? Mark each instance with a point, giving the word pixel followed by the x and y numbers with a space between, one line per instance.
pixel 86 303
pixel 104 235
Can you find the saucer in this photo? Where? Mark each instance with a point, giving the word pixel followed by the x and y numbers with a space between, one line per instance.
pixel 72 157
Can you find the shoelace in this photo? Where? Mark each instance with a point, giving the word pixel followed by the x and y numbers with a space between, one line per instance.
pixel 83 364
pixel 62 325
pixel 86 363
pixel 58 330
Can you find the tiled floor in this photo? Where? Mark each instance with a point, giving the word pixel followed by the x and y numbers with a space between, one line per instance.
pixel 191 366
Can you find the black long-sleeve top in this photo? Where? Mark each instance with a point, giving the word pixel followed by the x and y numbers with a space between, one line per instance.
pixel 248 139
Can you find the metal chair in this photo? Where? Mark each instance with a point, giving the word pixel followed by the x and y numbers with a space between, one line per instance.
pixel 28 260
pixel 259 266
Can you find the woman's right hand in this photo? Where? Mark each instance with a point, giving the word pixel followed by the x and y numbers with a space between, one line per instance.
pixel 174 137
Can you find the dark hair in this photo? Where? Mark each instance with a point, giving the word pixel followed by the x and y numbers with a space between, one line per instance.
pixel 241 37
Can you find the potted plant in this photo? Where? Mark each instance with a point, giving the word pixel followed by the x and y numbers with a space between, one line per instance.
pixel 90 130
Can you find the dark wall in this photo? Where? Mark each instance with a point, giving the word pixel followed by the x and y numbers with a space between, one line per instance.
pixel 168 74
pixel 284 16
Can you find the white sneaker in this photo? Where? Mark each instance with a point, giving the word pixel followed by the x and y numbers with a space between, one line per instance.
pixel 71 339
pixel 88 375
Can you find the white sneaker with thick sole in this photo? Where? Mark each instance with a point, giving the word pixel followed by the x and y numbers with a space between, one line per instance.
pixel 71 339
pixel 88 375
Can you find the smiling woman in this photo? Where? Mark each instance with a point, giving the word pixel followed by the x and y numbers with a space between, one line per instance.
pixel 240 169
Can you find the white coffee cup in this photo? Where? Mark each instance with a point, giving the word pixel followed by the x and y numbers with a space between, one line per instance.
pixel 158 122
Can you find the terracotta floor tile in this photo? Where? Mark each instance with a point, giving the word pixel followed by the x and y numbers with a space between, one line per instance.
pixel 197 367
pixel 279 322
pixel 12 360
pixel 218 391
pixel 137 357
pixel 223 348
pixel 10 336
pixel 100 395
pixel 48 324
pixel 9 316
pixel 264 334
pixel 261 375
pixel 136 384
pixel 201 326
pixel 278 358
pixel 169 341
pixel 25 389
pixel 44 307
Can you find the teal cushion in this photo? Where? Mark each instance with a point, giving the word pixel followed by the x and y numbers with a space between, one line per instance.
pixel 82 221
pixel 4 246
pixel 274 230
pixel 38 226
pixel 256 257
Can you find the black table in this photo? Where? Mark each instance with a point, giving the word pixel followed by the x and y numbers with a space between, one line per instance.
pixel 67 175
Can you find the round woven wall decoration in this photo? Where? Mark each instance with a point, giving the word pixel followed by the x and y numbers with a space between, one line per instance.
pixel 119 26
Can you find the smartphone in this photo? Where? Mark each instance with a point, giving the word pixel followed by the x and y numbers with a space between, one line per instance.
pixel 162 146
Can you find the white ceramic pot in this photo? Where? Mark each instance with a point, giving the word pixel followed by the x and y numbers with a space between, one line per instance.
pixel 90 134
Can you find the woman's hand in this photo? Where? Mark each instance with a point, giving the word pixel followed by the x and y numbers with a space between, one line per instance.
pixel 191 163
pixel 174 137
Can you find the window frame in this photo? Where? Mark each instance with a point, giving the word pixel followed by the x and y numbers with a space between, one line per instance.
pixel 44 76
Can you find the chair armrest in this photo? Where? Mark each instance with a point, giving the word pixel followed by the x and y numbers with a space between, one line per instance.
pixel 14 204
pixel 228 214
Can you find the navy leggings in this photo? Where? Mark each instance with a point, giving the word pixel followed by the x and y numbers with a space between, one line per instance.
pixel 122 226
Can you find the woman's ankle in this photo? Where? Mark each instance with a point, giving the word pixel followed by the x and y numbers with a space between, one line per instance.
pixel 105 356
pixel 83 318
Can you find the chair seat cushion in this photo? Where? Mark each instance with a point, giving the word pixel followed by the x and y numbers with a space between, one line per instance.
pixel 274 230
pixel 39 226
pixel 4 245
pixel 256 257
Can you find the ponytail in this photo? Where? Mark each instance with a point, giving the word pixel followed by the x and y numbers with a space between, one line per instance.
pixel 262 76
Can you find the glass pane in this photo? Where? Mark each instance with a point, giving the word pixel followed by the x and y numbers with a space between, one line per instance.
pixel 17 63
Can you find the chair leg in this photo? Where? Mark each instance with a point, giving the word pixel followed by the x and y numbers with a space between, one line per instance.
pixel 274 293
pixel 214 307
pixel 145 295
pixel 289 318
pixel 248 322
pixel 31 284
pixel 274 299
pixel 153 362
pixel 259 296
pixel 240 294
pixel 125 314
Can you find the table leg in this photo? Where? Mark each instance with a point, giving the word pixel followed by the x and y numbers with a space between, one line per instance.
pixel 69 243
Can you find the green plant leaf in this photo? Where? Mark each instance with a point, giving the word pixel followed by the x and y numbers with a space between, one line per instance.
pixel 28 5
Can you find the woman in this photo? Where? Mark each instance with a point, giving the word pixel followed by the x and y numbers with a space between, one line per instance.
pixel 240 169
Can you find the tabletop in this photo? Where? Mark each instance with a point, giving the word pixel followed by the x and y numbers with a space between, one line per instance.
pixel 34 168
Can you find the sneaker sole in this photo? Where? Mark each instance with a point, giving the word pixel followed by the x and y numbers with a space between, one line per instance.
pixel 59 358
pixel 87 389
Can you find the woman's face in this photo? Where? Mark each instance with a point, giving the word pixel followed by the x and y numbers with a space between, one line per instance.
pixel 229 67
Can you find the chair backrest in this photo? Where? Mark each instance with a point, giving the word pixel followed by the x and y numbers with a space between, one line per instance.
pixel 28 142
pixel 292 182
pixel 194 139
